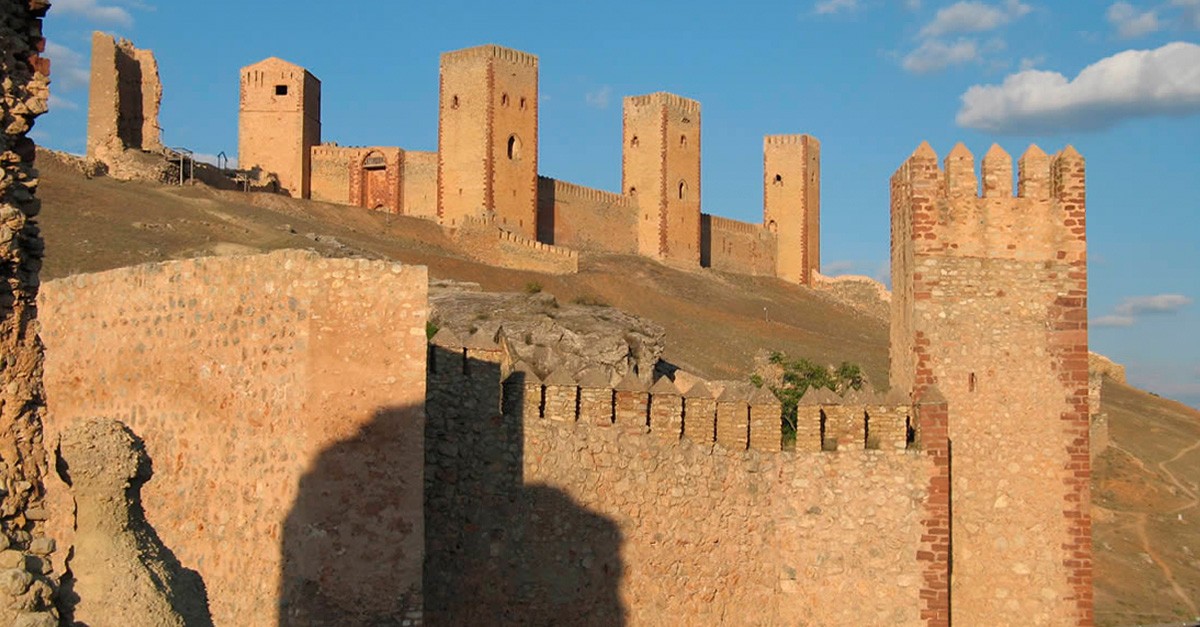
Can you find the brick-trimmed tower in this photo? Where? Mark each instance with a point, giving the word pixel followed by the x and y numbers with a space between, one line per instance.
pixel 279 121
pixel 792 203
pixel 660 166
pixel 487 138
pixel 990 305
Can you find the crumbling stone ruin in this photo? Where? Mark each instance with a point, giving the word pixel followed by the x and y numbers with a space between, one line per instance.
pixel 484 173
pixel 26 587
pixel 123 104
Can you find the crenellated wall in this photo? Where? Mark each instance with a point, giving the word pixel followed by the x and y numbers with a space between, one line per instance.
pixel 990 305
pixel 559 498
pixel 492 245
pixel 738 247
pixel 584 218
pixel 280 398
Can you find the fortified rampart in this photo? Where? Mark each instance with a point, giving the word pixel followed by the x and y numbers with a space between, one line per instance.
pixel 127 94
pixel 485 168
pixel 280 398
pixel 990 305
pixel 559 498
pixel 492 245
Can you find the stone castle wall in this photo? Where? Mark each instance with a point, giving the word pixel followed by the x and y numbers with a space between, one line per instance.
pixel 124 99
pixel 279 121
pixel 990 306
pixel 557 499
pixel 280 398
pixel 738 247
pixel 583 218
pixel 494 246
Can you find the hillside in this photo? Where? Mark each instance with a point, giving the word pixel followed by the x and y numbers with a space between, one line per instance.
pixel 1147 540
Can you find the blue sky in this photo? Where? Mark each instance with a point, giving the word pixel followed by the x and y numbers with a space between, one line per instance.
pixel 870 78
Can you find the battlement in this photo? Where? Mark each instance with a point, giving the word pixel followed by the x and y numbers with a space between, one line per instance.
pixel 566 191
pixel 736 226
pixel 948 211
pixel 491 51
pixel 786 140
pixel 662 98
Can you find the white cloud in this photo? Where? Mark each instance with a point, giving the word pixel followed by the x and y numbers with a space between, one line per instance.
pixel 93 10
pixel 970 16
pixel 912 5
pixel 831 7
pixel 599 98
pixel 1129 84
pixel 933 55
pixel 1127 312
pixel 1028 63
pixel 837 268
pixel 1130 22
pixel 68 69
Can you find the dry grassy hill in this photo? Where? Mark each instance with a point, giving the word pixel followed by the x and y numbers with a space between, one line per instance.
pixel 1147 523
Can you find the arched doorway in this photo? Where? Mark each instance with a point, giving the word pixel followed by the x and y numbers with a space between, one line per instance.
pixel 375 192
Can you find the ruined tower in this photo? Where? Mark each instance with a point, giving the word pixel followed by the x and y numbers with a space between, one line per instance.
pixel 487 138
pixel 990 305
pixel 660 167
pixel 279 121
pixel 792 203
pixel 123 98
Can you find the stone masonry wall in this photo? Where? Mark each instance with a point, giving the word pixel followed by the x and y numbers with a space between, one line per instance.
pixel 418 184
pixel 583 218
pixel 491 245
pixel 280 398
pixel 123 99
pixel 561 502
pixel 26 597
pixel 738 247
pixel 990 306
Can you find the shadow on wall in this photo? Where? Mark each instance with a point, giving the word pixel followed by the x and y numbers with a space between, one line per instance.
pixel 498 551
pixel 545 210
pixel 351 543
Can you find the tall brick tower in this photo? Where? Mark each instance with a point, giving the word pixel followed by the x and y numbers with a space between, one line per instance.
pixel 792 203
pixel 661 168
pixel 990 304
pixel 487 138
pixel 279 121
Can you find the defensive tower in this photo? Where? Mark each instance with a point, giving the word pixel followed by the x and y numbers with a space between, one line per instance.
pixel 661 169
pixel 792 203
pixel 990 305
pixel 123 98
pixel 279 121
pixel 487 138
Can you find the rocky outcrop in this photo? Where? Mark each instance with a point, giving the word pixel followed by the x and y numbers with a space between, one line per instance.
pixel 120 573
pixel 548 336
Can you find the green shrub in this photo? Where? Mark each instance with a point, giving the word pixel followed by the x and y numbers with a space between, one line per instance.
pixel 431 329
pixel 533 287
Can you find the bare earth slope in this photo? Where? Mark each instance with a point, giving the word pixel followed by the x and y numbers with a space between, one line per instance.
pixel 1147 522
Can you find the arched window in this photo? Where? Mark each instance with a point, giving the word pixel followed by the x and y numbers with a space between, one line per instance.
pixel 779 179
pixel 633 191
pixel 682 190
pixel 454 102
pixel 504 100
pixel 514 147
pixel 634 142
pixel 683 140
pixel 522 103
pixel 772 227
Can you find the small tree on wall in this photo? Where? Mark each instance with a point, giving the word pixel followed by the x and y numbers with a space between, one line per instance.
pixel 798 376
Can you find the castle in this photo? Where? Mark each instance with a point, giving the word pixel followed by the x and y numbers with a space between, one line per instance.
pixel 486 170
pixel 338 461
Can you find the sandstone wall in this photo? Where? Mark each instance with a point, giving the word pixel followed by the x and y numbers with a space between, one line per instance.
pixel 26 596
pixel 990 306
pixel 280 398
pixel 735 246
pixel 419 184
pixel 330 175
pixel 583 218
pixel 488 244
pixel 560 502
pixel 123 99
pixel 279 121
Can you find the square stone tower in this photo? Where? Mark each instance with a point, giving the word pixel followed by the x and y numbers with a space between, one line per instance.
pixel 990 306
pixel 487 138
pixel 279 121
pixel 660 167
pixel 792 203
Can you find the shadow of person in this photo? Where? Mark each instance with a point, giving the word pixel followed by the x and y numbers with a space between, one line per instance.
pixel 352 541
